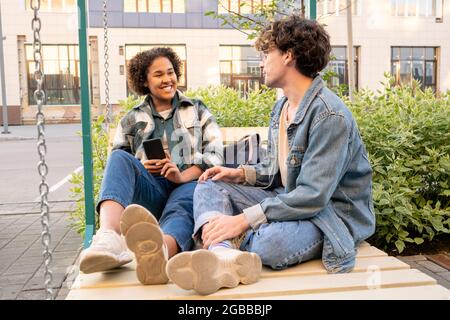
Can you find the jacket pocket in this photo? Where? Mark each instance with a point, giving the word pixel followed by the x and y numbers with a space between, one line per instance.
pixel 294 158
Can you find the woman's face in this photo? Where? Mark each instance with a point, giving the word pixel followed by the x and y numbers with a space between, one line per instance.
pixel 161 79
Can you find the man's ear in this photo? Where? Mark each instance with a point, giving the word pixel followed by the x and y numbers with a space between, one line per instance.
pixel 289 58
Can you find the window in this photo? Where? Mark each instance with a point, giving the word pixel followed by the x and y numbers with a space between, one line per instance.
pixel 337 7
pixel 55 5
pixel 418 63
pixel 180 50
pixel 339 66
pixel 242 6
pixel 413 8
pixel 239 68
pixel 158 6
pixel 62 74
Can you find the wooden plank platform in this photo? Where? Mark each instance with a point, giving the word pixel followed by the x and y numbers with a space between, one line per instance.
pixel 376 276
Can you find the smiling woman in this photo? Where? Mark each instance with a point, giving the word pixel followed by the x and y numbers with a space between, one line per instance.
pixel 137 191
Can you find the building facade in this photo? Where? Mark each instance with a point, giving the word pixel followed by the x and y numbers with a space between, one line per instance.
pixel 409 38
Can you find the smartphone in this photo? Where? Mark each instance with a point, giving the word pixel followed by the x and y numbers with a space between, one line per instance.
pixel 154 149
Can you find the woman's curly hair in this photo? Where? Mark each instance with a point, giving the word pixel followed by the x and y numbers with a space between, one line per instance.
pixel 139 64
pixel 308 41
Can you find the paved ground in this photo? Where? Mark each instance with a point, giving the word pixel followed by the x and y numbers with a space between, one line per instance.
pixel 420 262
pixel 21 262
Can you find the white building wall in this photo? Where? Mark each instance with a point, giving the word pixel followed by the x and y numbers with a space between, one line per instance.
pixel 202 53
pixel 375 31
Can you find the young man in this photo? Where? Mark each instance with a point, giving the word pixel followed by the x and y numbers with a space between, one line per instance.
pixel 311 196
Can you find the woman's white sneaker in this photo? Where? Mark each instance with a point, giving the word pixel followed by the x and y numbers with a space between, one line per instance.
pixel 107 251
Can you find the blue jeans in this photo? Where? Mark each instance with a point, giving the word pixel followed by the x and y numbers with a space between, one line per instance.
pixel 279 244
pixel 126 181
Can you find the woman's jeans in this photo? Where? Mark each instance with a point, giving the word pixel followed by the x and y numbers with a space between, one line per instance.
pixel 126 182
pixel 279 244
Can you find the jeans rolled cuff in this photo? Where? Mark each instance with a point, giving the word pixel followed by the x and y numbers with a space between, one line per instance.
pixel 203 219
pixel 250 174
pixel 112 198
pixel 255 216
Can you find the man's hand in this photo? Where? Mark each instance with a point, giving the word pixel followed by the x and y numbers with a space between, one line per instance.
pixel 223 227
pixel 223 174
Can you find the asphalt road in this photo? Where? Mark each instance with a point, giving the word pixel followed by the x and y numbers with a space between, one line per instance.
pixel 19 178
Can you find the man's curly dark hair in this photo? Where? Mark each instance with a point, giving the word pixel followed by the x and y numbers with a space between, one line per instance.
pixel 139 64
pixel 308 41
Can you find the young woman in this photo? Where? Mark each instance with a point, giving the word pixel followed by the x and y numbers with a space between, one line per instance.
pixel 137 192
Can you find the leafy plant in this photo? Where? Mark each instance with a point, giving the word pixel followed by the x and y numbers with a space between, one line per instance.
pixel 233 110
pixel 406 131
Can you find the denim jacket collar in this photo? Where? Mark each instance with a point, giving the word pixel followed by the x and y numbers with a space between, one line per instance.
pixel 308 98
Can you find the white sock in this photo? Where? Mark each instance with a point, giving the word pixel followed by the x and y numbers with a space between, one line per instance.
pixel 223 244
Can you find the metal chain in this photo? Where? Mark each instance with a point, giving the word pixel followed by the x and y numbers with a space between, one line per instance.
pixel 39 96
pixel 106 57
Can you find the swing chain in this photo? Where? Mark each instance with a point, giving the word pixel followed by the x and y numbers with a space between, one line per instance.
pixel 39 96
pixel 106 65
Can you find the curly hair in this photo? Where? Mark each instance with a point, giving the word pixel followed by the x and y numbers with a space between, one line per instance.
pixel 139 64
pixel 308 41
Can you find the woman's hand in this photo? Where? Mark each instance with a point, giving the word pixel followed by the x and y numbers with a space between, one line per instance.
pixel 223 227
pixel 224 174
pixel 170 171
pixel 152 167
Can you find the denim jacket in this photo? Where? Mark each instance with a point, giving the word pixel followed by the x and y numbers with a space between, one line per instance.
pixel 329 177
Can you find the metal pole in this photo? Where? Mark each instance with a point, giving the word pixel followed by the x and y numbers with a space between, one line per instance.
pixel 350 58
pixel 86 125
pixel 2 76
pixel 313 9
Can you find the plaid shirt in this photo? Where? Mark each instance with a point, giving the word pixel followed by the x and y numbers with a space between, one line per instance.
pixel 197 137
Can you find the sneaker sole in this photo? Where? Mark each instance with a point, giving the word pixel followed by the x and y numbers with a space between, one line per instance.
pixel 100 261
pixel 201 271
pixel 146 241
pixel 133 214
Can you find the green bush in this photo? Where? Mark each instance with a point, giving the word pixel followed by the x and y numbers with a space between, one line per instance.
pixel 407 135
pixel 233 110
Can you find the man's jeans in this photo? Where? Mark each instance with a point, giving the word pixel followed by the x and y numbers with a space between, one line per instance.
pixel 126 181
pixel 279 244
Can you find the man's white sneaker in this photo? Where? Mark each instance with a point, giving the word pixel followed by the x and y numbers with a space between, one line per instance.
pixel 144 237
pixel 107 251
pixel 207 271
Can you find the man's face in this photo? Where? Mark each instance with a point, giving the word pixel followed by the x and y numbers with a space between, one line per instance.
pixel 273 67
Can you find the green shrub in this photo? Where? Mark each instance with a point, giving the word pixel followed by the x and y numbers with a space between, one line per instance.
pixel 407 135
pixel 233 110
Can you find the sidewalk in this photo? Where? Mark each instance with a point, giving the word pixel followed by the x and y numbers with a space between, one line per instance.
pixel 30 132
pixel 21 262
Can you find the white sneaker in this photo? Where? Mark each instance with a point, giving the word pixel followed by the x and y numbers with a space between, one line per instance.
pixel 144 237
pixel 207 271
pixel 107 251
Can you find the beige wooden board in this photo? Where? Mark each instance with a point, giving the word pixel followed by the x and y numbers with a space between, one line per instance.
pixel 316 267
pixel 127 276
pixel 278 286
pixel 433 292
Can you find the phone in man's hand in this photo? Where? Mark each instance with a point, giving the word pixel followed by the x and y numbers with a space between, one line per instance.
pixel 154 149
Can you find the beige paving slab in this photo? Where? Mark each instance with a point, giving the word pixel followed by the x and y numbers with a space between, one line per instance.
pixel 278 286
